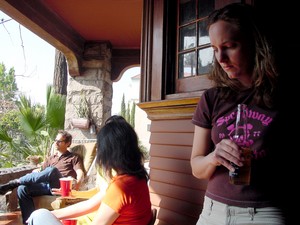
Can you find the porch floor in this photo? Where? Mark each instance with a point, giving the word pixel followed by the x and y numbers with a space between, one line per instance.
pixel 11 218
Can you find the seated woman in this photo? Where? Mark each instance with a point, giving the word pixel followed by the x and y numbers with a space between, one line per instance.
pixel 126 199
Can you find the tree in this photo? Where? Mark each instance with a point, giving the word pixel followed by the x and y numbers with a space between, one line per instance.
pixel 8 85
pixel 127 115
pixel 132 115
pixel 9 121
pixel 60 78
pixel 123 107
pixel 8 88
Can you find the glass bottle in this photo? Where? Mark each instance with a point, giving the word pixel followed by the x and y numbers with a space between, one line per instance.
pixel 241 175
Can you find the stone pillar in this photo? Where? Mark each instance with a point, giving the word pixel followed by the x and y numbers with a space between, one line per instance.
pixel 95 82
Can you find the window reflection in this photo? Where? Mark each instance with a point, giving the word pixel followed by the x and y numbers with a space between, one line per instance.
pixel 203 37
pixel 205 7
pixel 187 11
pixel 205 59
pixel 195 56
pixel 187 37
pixel 187 65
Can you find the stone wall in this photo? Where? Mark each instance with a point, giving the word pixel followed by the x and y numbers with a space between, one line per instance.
pixel 9 202
pixel 95 82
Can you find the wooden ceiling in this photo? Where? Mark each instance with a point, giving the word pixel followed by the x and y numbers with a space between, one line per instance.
pixel 118 21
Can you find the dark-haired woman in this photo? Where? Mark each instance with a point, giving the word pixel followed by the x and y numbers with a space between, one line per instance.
pixel 127 199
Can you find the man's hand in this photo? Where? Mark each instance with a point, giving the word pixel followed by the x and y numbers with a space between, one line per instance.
pixel 75 185
pixel 36 170
pixel 79 180
pixel 56 191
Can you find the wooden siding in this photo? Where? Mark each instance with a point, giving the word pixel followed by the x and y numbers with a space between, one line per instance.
pixel 175 192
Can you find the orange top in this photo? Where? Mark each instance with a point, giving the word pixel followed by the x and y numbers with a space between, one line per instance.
pixel 129 196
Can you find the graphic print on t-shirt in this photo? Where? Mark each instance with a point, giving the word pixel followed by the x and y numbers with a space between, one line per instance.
pixel 257 124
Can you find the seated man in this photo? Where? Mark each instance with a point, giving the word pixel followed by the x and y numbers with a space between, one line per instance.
pixel 61 164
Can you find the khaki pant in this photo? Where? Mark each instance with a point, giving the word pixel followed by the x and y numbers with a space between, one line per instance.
pixel 216 213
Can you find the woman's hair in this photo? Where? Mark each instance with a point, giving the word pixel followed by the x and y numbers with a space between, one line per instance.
pixel 118 149
pixel 264 77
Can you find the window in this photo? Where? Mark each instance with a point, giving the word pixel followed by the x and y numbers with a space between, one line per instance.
pixel 194 56
pixel 194 52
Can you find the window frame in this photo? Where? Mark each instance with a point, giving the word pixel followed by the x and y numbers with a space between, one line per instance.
pixel 187 86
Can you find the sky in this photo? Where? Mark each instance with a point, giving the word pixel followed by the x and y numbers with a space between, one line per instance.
pixel 124 86
pixel 33 60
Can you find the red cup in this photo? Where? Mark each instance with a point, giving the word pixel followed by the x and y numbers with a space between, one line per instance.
pixel 65 186
pixel 69 222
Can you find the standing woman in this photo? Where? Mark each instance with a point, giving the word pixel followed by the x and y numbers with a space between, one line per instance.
pixel 243 73
pixel 127 199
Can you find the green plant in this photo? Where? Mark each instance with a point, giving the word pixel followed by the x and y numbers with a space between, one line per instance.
pixel 8 84
pixel 144 150
pixel 83 110
pixel 37 126
pixel 127 112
